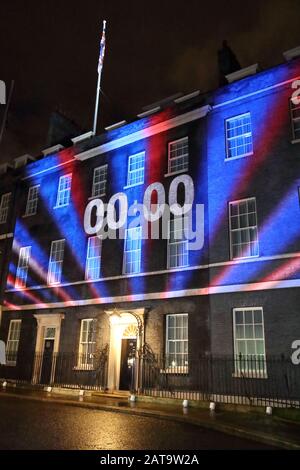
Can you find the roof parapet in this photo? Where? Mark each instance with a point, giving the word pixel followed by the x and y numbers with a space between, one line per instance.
pixel 115 125
pixel 243 73
pixel 18 162
pixel 291 53
pixel 53 149
pixel 82 137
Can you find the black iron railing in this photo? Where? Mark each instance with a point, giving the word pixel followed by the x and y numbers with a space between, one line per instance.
pixel 248 380
pixel 251 380
pixel 58 369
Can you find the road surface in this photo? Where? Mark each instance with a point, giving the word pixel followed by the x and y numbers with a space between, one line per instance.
pixel 37 425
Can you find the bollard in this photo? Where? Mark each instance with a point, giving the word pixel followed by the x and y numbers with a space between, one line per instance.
pixel 269 410
pixel 212 406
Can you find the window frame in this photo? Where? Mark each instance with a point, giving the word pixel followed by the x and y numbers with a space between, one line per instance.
pixel 13 363
pixel 124 270
pixel 101 194
pixel 251 373
pixel 176 368
pixel 247 154
pixel 234 230
pixel 87 269
pixel 28 202
pixel 183 170
pixel 80 364
pixel 185 241
pixel 60 191
pixel 25 268
pixel 294 107
pixel 49 281
pixel 138 183
pixel 5 209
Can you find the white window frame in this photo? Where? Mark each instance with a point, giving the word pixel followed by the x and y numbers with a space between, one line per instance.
pixel 249 372
pixel 133 183
pixel 10 341
pixel 63 193
pixel 4 207
pixel 91 260
pixel 54 263
pixel 250 227
pixel 183 241
pixel 131 251
pixel 23 266
pixel 174 367
pixel 170 159
pixel 244 135
pixel 32 200
pixel 294 108
pixel 84 357
pixel 101 183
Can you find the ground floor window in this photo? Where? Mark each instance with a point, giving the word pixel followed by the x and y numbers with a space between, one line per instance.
pixel 249 341
pixel 177 340
pixel 87 343
pixel 13 339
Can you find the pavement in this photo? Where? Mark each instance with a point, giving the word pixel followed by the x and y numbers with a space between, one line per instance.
pixel 251 425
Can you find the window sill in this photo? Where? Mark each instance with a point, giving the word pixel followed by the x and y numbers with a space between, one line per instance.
pixel 24 216
pixel 11 363
pixel 295 141
pixel 229 159
pixel 133 185
pixel 250 375
pixel 244 258
pixel 60 207
pixel 175 370
pixel 174 173
pixel 91 198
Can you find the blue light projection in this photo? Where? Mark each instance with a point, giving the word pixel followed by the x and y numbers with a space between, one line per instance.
pixel 216 181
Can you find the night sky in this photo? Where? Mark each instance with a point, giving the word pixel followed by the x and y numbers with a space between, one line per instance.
pixel 153 50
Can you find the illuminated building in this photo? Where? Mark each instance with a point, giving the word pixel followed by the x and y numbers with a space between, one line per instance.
pixel 122 300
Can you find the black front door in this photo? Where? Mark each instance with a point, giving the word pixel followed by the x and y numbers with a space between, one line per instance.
pixel 127 364
pixel 47 361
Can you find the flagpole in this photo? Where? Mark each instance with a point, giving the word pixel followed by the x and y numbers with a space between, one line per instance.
pixel 100 65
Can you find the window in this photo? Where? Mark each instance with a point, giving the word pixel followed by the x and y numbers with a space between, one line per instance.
pixel 13 342
pixel 99 181
pixel 56 261
pixel 295 117
pixel 132 250
pixel 178 155
pixel 178 246
pixel 93 258
pixel 64 191
pixel 87 344
pixel 136 169
pixel 177 340
pixel 23 265
pixel 32 200
pixel 243 228
pixel 239 136
pixel 249 340
pixel 4 206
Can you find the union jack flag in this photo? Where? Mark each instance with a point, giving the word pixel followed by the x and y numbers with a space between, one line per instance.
pixel 102 49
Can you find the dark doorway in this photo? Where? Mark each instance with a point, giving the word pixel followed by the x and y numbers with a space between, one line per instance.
pixel 127 364
pixel 47 361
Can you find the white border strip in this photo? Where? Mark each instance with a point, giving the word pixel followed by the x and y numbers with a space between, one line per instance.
pixel 167 271
pixel 145 133
pixel 255 286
